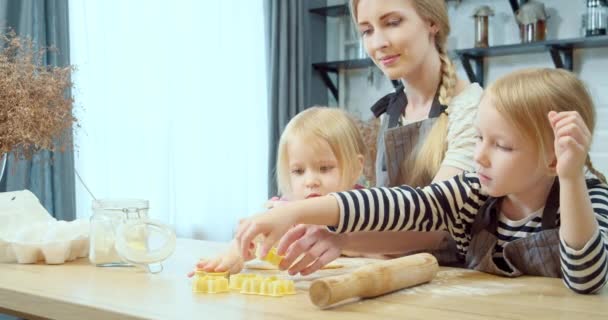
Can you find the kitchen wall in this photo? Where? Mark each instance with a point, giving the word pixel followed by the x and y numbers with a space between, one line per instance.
pixel 361 88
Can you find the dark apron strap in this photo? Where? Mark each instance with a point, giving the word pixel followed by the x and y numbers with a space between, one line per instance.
pixel 398 103
pixel 488 213
pixel 551 206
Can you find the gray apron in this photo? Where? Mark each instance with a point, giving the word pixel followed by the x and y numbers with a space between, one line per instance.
pixel 536 255
pixel 398 147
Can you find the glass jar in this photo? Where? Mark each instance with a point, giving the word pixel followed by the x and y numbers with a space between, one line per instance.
pixel 481 32
pixel 482 15
pixel 122 235
pixel 596 17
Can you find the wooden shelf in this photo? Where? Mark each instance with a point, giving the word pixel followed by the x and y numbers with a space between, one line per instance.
pixel 332 11
pixel 344 64
pixel 325 68
pixel 341 10
pixel 560 51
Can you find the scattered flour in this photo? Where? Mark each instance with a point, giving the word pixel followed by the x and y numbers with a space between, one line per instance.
pixel 457 283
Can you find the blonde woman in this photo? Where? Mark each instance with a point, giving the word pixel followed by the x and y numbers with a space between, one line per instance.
pixel 320 151
pixel 529 209
pixel 426 132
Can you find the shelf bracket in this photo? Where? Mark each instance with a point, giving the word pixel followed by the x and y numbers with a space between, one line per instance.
pixel 329 83
pixel 562 57
pixel 474 76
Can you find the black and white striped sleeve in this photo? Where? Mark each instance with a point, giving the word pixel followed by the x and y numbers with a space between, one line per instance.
pixel 585 270
pixel 446 205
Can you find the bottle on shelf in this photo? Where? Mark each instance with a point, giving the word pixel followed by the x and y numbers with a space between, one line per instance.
pixel 596 18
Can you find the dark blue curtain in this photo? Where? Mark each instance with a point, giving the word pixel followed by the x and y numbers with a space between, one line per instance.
pixel 49 175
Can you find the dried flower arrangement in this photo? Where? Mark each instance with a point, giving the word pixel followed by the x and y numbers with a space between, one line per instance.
pixel 35 102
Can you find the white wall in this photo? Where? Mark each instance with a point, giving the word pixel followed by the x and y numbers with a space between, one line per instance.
pixel 172 106
pixel 564 22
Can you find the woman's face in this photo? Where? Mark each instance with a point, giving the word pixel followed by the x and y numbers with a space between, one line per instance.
pixel 395 37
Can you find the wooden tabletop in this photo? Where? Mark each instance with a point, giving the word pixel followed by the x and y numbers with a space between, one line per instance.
pixel 78 290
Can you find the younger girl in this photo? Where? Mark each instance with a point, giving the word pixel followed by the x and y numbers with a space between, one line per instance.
pixel 320 151
pixel 529 208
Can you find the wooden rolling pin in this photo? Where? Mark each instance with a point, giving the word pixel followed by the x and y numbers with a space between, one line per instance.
pixel 374 279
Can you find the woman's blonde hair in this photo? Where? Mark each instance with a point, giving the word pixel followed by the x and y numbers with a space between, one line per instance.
pixel 332 125
pixel 432 152
pixel 525 98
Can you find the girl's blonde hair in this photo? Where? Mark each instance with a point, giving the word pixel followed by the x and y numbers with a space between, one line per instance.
pixel 432 152
pixel 525 98
pixel 333 125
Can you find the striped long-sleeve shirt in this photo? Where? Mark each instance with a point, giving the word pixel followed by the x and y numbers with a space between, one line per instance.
pixel 451 205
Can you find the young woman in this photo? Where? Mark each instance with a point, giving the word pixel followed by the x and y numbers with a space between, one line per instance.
pixel 426 129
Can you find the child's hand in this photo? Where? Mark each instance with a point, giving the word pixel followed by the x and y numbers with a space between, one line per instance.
pixel 572 143
pixel 231 262
pixel 272 225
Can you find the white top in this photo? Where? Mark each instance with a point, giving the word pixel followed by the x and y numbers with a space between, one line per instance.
pixel 462 111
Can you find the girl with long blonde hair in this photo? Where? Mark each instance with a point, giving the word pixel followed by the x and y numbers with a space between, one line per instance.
pixel 320 151
pixel 534 206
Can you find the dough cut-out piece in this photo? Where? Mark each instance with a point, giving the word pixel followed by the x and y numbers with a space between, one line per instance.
pixel 272 256
pixel 210 282
pixel 236 280
pixel 270 286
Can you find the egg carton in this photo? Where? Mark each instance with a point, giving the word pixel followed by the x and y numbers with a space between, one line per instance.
pixel 28 233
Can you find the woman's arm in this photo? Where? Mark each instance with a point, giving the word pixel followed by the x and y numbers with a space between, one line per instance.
pixel 461 133
pixel 446 172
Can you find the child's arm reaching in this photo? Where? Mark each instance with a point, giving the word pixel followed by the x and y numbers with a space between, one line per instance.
pixel 447 205
pixel 275 222
pixel 583 212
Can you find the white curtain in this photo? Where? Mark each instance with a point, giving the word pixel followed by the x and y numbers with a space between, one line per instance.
pixel 171 97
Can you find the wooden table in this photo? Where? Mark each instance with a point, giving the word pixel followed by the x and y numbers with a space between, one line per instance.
pixel 79 290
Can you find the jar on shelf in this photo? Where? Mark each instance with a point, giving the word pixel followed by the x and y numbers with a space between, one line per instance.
pixel 123 235
pixel 481 16
pixel 532 20
pixel 596 18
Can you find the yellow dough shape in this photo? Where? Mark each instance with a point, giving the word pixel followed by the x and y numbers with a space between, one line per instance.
pixel 272 256
pixel 275 259
pixel 210 282
pixel 236 280
pixel 264 286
